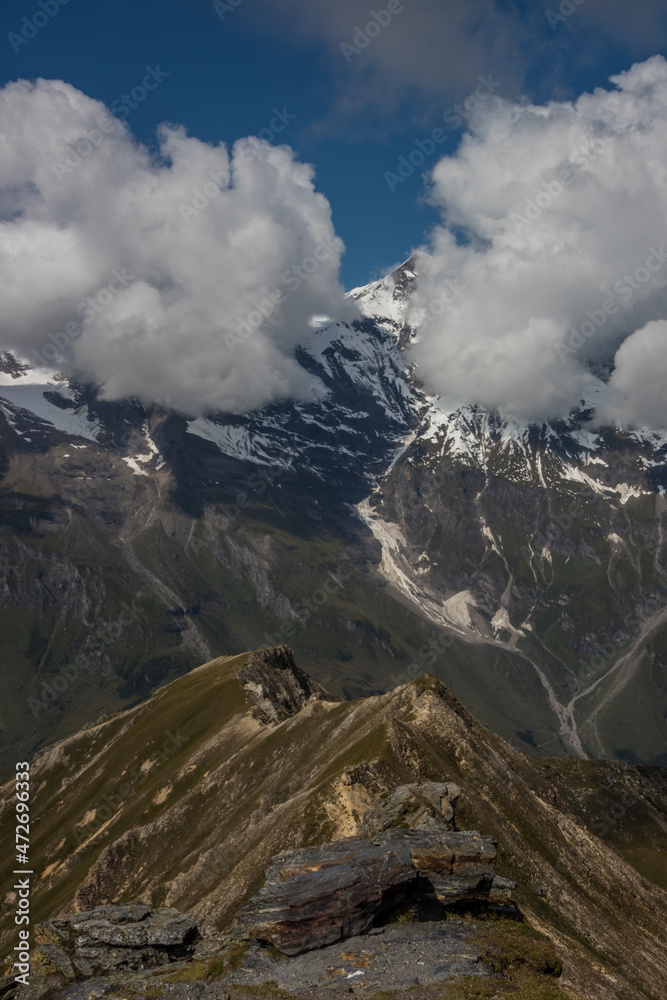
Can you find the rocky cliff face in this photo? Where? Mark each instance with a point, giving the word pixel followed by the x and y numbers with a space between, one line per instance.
pixel 184 800
pixel 276 688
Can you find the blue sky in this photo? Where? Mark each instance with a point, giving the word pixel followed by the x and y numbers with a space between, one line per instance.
pixel 356 112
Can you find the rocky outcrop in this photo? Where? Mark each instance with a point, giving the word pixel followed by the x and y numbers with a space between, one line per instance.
pixel 315 896
pixel 109 939
pixel 276 688
pixel 429 806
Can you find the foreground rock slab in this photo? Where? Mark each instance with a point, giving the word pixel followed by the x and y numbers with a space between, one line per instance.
pixel 111 938
pixel 316 896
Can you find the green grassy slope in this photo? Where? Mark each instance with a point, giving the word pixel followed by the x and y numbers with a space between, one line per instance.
pixel 184 799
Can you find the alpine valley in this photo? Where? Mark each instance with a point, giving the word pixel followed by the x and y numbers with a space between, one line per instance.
pixel 381 532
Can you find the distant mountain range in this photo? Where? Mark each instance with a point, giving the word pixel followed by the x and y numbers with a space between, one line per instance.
pixel 378 530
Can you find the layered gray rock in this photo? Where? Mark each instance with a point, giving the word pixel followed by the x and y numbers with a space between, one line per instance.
pixel 316 896
pixel 112 938
pixel 276 688
pixel 429 806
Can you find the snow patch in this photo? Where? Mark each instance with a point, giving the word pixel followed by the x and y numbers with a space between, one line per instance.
pixel 26 403
pixel 501 622
pixel 628 492
pixel 145 458
pixel 457 608
pixel 383 302
pixel 454 613
pixel 136 469
pixel 243 443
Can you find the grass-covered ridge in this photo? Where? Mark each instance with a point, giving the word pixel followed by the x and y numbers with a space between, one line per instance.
pixel 184 799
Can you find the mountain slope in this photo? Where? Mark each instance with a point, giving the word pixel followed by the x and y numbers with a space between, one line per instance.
pixel 183 800
pixel 368 525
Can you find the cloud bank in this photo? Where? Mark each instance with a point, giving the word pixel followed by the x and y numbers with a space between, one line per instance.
pixel 428 54
pixel 551 262
pixel 425 49
pixel 185 275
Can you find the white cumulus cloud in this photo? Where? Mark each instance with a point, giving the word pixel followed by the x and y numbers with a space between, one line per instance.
pixel 639 380
pixel 551 262
pixel 186 274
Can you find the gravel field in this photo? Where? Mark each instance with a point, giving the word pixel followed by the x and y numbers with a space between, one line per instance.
pixel 402 956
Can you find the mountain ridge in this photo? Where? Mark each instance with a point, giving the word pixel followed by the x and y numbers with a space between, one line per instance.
pixel 225 791
pixel 534 556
